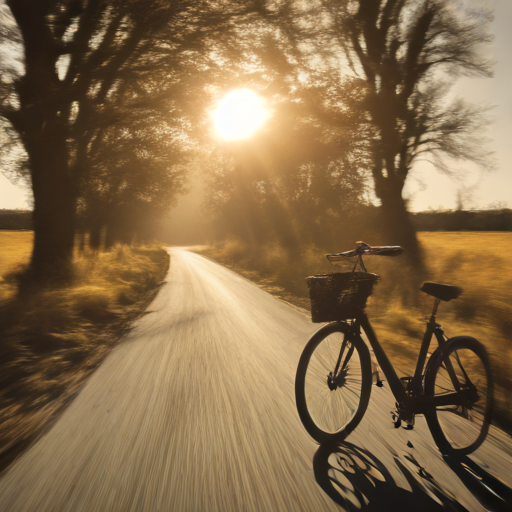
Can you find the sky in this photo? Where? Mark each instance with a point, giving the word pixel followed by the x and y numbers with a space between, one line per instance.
pixel 495 187
pixel 425 187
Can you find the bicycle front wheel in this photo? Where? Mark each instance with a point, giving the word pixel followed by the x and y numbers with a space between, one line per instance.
pixel 461 366
pixel 333 383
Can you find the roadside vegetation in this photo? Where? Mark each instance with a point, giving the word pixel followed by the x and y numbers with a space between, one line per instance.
pixel 477 262
pixel 54 337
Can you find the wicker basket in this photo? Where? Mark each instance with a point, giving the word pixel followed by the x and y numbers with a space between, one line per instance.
pixel 339 296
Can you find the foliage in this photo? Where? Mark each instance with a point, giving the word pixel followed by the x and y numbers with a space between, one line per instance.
pixel 135 175
pixel 473 220
pixel 91 72
pixel 301 179
pixel 403 51
pixel 358 90
pixel 359 93
pixel 15 219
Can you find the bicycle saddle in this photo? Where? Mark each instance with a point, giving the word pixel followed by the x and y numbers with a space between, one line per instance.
pixel 441 291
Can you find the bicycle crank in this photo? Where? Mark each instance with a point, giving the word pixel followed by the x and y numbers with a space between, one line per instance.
pixel 401 415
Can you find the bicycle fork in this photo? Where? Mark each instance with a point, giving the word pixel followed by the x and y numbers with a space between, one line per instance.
pixel 337 379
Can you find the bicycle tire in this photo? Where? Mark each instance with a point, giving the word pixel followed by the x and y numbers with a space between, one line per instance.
pixel 329 422
pixel 460 430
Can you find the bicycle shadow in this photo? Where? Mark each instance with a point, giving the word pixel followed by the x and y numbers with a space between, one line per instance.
pixel 490 492
pixel 356 480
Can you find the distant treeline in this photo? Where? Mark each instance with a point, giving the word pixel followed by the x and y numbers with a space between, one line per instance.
pixel 15 219
pixel 459 220
pixel 448 220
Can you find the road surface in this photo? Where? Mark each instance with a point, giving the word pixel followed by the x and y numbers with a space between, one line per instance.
pixel 195 411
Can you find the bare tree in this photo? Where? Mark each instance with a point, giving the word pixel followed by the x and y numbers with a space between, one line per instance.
pixel 404 53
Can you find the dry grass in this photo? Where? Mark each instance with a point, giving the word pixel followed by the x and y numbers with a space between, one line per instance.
pixel 52 339
pixel 15 247
pixel 479 262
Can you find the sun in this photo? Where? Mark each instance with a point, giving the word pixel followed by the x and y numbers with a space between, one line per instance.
pixel 240 114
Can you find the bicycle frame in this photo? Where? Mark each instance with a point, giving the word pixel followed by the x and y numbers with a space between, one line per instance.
pixel 411 398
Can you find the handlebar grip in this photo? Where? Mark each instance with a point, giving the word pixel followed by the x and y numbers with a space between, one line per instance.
pixel 341 256
pixel 391 251
pixel 365 249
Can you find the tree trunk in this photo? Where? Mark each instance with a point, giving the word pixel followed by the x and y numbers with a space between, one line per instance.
pixel 96 230
pixel 42 122
pixel 54 211
pixel 81 242
pixel 400 229
pixel 398 222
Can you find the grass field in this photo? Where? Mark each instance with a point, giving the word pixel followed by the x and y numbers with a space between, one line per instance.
pixel 481 264
pixel 53 338
pixel 15 248
pixel 478 262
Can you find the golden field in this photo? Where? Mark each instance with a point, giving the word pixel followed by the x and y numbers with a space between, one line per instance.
pixel 15 248
pixel 481 264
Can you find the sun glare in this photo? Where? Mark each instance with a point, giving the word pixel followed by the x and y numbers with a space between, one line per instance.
pixel 240 114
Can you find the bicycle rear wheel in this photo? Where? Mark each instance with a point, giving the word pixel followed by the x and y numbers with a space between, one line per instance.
pixel 461 429
pixel 333 383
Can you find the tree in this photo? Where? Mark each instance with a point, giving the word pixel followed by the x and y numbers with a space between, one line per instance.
pixel 302 176
pixel 135 174
pixel 300 179
pixel 86 64
pixel 402 53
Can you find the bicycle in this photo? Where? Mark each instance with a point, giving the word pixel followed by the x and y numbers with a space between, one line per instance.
pixel 334 376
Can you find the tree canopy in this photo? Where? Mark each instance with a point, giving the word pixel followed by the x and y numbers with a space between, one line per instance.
pixel 88 69
pixel 405 55
pixel 109 99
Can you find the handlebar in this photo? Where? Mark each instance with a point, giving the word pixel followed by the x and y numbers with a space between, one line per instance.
pixel 367 250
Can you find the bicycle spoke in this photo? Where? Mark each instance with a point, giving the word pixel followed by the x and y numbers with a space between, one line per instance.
pixel 329 348
pixel 331 409
pixel 462 425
